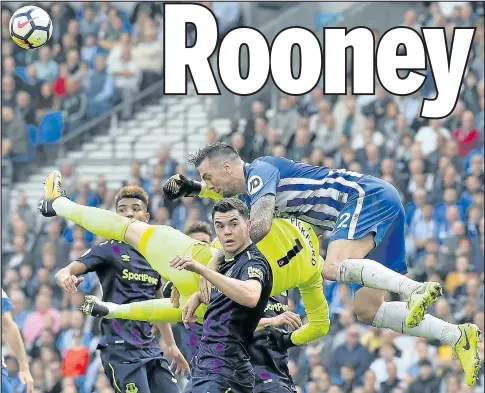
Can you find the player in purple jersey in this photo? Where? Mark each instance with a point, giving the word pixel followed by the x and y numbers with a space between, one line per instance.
pixel 241 289
pixel 270 367
pixel 130 353
pixel 11 334
pixel 366 247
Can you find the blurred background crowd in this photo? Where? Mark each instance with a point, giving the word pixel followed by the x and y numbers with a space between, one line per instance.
pixel 100 55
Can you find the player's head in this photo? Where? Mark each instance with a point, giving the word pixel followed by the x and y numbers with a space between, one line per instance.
pixel 231 222
pixel 200 230
pixel 132 202
pixel 221 168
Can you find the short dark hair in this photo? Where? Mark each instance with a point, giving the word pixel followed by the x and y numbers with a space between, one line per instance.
pixel 217 149
pixel 227 204
pixel 199 227
pixel 132 191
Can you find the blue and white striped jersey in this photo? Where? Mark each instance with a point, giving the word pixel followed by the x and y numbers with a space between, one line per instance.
pixel 313 194
pixel 6 306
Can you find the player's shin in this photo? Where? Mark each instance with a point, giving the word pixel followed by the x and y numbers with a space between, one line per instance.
pixel 373 274
pixel 101 222
pixel 392 315
pixel 157 310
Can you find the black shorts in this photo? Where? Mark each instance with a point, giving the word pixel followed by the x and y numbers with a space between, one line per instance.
pixel 240 381
pixel 138 371
pixel 275 389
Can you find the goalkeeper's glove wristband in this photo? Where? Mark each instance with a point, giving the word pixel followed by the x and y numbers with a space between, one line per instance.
pixel 278 340
pixel 179 186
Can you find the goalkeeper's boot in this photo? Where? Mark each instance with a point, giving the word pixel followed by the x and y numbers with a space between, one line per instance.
pixel 466 351
pixel 52 190
pixel 94 307
pixel 420 300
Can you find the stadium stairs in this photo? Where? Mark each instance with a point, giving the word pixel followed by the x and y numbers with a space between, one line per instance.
pixel 161 124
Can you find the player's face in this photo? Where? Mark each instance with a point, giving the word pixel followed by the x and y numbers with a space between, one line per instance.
pixel 201 236
pixel 218 177
pixel 232 231
pixel 133 208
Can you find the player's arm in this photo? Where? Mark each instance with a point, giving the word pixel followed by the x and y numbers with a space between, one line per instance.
pixel 317 311
pixel 179 186
pixel 245 292
pixel 261 217
pixel 13 338
pixel 287 318
pixel 262 182
pixel 67 278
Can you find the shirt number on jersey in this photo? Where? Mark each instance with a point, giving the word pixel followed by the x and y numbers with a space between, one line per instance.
pixel 343 223
pixel 290 254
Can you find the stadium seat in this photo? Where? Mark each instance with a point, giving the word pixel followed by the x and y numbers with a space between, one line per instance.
pixel 324 19
pixel 21 72
pixel 51 128
pixel 32 132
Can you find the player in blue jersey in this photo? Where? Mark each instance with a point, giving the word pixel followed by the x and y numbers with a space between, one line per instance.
pixel 270 366
pixel 11 334
pixel 366 247
pixel 130 353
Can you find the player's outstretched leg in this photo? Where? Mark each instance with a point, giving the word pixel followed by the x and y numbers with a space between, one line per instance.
pixel 156 310
pixel 344 263
pixel 463 338
pixel 151 241
pixel 101 222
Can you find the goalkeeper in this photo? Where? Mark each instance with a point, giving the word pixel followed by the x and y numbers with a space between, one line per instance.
pixel 291 249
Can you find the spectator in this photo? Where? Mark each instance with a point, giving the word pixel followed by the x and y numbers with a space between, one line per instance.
pixel 73 105
pixel 35 322
pixel 14 133
pixel 46 68
pixel 467 136
pixel 100 87
pixel 88 26
pixel 351 351
pixel 302 146
pixel 127 77
pixel 147 54
pixel 427 380
pixel 285 120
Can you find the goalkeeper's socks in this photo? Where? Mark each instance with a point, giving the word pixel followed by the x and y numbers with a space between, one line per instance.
pixel 98 221
pixel 373 274
pixel 392 315
pixel 156 310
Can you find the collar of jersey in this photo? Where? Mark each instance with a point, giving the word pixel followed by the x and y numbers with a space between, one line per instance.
pixel 238 255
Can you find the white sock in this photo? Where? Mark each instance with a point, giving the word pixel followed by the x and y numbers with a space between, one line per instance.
pixel 373 274
pixel 391 315
pixel 63 206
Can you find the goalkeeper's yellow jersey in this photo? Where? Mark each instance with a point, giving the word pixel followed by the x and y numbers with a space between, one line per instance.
pixel 291 248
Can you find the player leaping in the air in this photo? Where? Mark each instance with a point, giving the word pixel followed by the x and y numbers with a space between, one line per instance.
pixel 366 247
pixel 291 250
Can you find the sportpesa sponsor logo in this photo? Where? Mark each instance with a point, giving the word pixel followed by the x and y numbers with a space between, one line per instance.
pixel 276 307
pixel 130 276
pixel 307 237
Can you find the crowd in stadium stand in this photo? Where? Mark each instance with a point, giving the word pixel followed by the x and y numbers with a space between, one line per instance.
pixel 100 55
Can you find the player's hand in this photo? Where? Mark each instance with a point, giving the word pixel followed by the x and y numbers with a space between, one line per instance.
pixel 26 378
pixel 288 318
pixel 179 364
pixel 70 283
pixel 205 290
pixel 278 340
pixel 179 186
pixel 188 310
pixel 175 297
pixel 186 263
